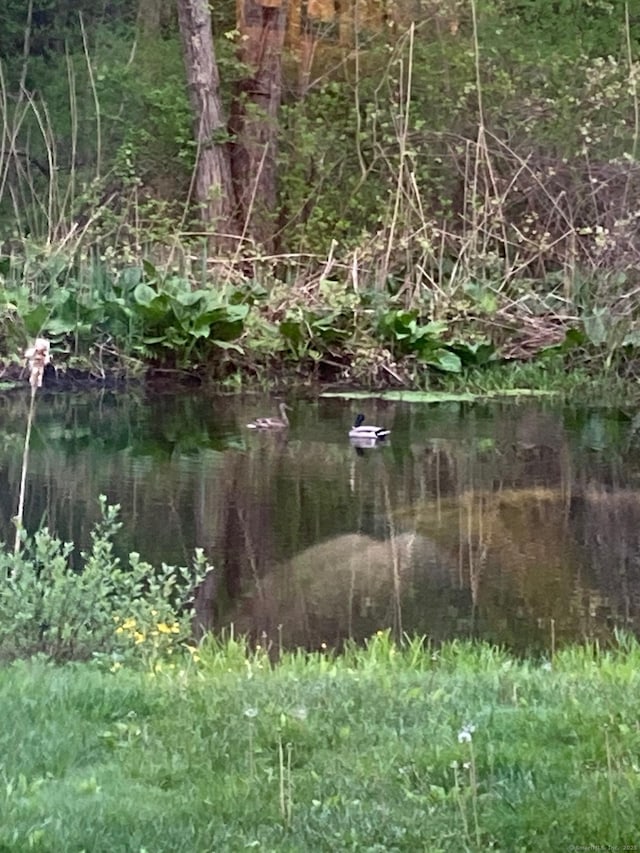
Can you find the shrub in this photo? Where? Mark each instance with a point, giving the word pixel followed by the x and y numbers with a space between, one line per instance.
pixel 104 608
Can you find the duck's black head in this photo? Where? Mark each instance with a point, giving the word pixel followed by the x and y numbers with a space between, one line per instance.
pixel 359 420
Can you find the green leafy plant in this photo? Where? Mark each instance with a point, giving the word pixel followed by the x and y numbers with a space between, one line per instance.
pixel 173 317
pixel 409 336
pixel 314 332
pixel 104 607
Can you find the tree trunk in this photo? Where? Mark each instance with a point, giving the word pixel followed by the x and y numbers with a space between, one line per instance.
pixel 254 115
pixel 213 187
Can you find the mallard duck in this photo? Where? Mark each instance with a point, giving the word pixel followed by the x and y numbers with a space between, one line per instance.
pixel 272 423
pixel 360 430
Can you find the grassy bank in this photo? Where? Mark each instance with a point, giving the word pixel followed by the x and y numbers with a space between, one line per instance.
pixel 384 749
pixel 114 323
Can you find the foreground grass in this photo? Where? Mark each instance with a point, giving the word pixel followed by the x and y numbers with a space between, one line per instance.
pixel 384 749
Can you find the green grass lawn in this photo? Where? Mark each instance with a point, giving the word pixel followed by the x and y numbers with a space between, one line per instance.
pixel 383 749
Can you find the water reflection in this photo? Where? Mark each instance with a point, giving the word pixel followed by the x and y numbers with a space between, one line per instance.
pixel 519 523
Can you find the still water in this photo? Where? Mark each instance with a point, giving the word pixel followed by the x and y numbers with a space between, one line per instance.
pixel 517 522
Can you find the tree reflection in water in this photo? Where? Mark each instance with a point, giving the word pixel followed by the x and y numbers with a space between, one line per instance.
pixel 505 521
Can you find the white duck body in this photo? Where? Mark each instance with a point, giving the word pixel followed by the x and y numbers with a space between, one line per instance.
pixel 360 430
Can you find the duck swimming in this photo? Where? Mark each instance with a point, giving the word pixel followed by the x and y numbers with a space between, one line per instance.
pixel 272 423
pixel 363 431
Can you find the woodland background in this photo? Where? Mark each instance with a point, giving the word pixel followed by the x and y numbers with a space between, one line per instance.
pixel 462 175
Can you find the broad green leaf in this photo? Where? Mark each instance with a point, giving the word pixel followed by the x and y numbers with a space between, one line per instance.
pixel 444 360
pixel 190 297
pixel 61 326
pixel 436 328
pixel 157 311
pixel 327 327
pixel 228 315
pixel 199 330
pixel 129 278
pixel 212 300
pixel 35 319
pixel 144 294
pixel 291 331
pixel 62 295
pixel 237 312
pixel 473 352
pixel 227 331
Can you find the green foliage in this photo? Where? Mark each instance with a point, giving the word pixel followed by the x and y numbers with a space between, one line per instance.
pixel 595 28
pixel 431 342
pixel 322 194
pixel 111 313
pixel 176 320
pixel 138 310
pixel 557 94
pixel 162 131
pixel 327 328
pixel 103 607
pixel 55 25
pixel 383 165
pixel 409 336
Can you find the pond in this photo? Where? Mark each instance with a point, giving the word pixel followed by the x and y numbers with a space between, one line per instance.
pixel 516 522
